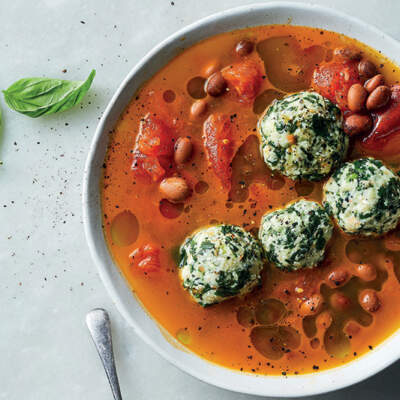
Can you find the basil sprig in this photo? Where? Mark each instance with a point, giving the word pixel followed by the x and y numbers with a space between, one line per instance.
pixel 42 96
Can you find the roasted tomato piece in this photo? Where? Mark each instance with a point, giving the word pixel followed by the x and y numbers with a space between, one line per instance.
pixel 153 148
pixel 146 257
pixel 218 141
pixel 385 135
pixel 333 81
pixel 244 80
pixel 145 166
pixel 155 138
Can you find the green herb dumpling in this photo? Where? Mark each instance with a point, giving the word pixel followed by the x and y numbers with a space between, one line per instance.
pixel 219 262
pixel 295 237
pixel 363 196
pixel 302 136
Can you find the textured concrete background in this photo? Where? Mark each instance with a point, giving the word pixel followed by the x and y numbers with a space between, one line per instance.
pixel 47 279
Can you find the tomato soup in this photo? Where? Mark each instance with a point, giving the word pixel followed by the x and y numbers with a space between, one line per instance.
pixel 294 322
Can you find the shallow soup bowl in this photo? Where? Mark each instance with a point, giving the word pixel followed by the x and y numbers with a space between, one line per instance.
pixel 129 306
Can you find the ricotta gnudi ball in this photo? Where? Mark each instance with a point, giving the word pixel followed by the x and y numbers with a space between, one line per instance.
pixel 363 196
pixel 302 136
pixel 295 237
pixel 219 262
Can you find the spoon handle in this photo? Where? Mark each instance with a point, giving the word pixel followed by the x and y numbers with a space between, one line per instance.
pixel 99 326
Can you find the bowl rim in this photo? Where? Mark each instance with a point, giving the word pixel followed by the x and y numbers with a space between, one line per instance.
pixel 375 363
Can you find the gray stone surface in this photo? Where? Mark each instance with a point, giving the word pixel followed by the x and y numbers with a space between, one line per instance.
pixel 47 279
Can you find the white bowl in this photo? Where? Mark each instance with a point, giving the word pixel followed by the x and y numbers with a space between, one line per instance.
pixel 252 15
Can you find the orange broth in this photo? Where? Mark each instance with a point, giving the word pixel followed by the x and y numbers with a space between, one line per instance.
pixel 221 333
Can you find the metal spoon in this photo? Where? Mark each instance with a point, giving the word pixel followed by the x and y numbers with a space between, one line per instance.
pixel 99 326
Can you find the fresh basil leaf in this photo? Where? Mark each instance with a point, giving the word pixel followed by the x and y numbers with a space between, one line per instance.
pixel 42 96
